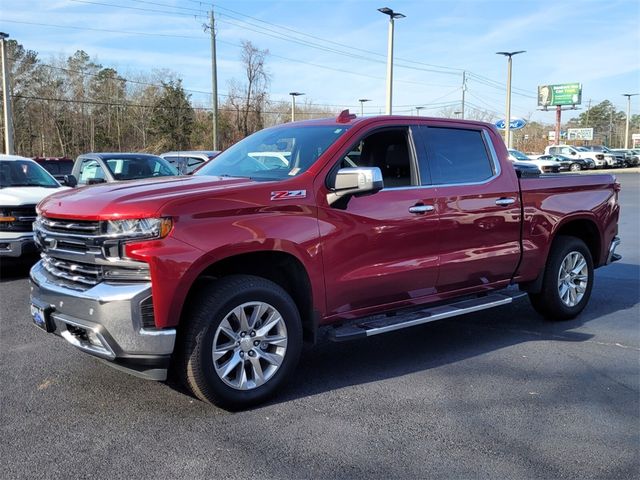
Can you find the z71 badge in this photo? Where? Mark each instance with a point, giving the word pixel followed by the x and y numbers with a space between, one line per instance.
pixel 287 194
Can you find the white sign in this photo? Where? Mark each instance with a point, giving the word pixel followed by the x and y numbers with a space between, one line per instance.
pixel 580 134
pixel 552 135
pixel 635 136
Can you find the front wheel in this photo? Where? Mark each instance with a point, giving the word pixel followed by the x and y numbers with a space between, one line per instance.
pixel 575 167
pixel 567 282
pixel 242 340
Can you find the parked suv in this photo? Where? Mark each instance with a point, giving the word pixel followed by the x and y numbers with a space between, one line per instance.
pixel 576 152
pixel 613 159
pixel 23 183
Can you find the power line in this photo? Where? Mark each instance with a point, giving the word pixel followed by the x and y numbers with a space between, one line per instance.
pixel 298 32
pixel 135 8
pixel 69 27
pixel 276 34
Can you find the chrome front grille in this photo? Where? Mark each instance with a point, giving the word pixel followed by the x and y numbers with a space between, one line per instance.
pixel 77 227
pixel 83 273
pixel 23 217
pixel 78 256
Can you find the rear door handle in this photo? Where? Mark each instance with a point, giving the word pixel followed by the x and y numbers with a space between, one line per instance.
pixel 421 209
pixel 503 202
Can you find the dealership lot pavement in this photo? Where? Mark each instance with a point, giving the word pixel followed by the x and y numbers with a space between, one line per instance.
pixel 499 394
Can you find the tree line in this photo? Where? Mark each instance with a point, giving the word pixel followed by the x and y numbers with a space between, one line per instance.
pixel 74 105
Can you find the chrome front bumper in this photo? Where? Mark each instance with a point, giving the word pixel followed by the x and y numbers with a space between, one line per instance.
pixel 105 321
pixel 17 246
pixel 613 256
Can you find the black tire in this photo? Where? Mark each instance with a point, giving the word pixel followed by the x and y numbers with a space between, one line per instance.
pixel 549 302
pixel 215 302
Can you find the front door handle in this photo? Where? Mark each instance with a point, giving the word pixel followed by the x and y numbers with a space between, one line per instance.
pixel 421 209
pixel 503 202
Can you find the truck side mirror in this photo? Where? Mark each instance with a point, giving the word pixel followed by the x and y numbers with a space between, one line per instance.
pixel 355 181
pixel 70 181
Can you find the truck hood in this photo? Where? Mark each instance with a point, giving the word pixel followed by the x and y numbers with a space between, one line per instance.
pixel 132 199
pixel 14 196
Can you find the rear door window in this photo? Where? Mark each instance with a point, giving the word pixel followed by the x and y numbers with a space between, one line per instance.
pixel 456 155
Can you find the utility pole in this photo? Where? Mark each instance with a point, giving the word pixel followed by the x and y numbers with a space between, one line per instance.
pixel 626 132
pixel 214 79
pixel 293 104
pixel 362 100
pixel 464 89
pixel 558 123
pixel 507 120
pixel 584 142
pixel 6 97
pixel 392 16
pixel 610 127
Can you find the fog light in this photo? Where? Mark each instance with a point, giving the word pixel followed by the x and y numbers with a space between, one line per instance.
pixel 92 336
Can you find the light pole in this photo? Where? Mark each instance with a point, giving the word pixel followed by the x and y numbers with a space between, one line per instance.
pixel 458 112
pixel 6 97
pixel 293 104
pixel 392 16
pixel 507 120
pixel 362 100
pixel 626 132
pixel 418 110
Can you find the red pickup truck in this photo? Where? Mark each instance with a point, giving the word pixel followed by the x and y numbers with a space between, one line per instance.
pixel 363 226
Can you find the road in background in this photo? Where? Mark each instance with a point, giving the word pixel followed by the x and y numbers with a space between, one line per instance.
pixel 497 394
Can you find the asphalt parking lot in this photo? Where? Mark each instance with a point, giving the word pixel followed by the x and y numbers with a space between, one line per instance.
pixel 499 394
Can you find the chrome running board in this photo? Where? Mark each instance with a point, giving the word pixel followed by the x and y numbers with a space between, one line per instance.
pixel 377 324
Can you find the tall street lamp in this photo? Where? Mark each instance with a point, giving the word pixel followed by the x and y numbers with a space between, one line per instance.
pixel 418 110
pixel 362 100
pixel 293 104
pixel 6 97
pixel 392 16
pixel 626 133
pixel 507 120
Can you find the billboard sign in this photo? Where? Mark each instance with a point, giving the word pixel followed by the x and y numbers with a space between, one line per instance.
pixel 516 123
pixel 561 94
pixel 580 134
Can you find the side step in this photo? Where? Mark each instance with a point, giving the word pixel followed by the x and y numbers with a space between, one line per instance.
pixel 377 324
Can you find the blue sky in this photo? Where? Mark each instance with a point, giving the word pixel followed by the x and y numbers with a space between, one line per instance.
pixel 335 51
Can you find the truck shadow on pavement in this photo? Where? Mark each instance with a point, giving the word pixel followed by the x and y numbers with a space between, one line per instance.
pixel 330 366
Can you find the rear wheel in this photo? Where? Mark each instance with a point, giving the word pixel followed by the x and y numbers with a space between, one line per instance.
pixel 242 341
pixel 568 280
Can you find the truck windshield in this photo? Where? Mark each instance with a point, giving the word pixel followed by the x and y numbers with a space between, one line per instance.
pixel 130 168
pixel 275 153
pixel 24 173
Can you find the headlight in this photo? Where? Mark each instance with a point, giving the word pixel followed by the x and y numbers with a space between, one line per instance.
pixel 139 228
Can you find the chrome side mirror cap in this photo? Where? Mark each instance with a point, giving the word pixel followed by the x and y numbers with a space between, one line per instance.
pixel 355 181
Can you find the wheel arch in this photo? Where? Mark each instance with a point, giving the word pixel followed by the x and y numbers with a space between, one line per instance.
pixel 583 227
pixel 280 267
